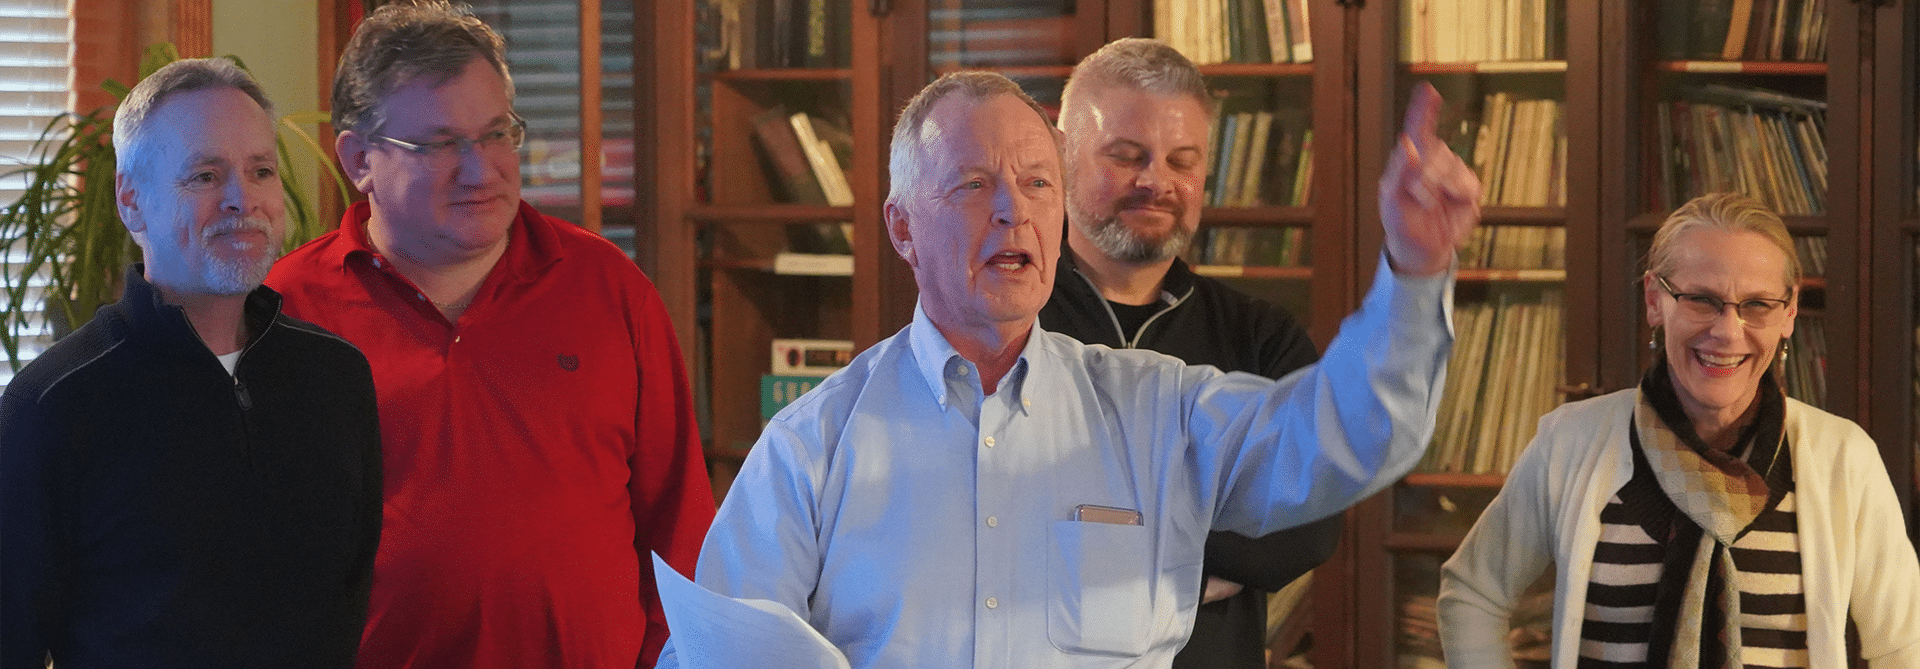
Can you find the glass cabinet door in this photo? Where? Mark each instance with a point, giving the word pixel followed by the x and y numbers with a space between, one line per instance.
pixel 1508 74
pixel 773 213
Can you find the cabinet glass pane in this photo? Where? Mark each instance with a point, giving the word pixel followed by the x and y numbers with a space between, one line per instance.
pixel 1236 31
pixel 543 52
pixel 986 34
pixel 1504 79
pixel 774 146
pixel 1501 66
pixel 1741 105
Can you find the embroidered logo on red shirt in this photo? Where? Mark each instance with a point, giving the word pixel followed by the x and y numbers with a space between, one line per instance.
pixel 569 362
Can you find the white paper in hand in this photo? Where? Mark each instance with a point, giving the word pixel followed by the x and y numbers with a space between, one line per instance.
pixel 714 631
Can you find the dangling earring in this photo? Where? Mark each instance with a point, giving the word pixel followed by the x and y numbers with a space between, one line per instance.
pixel 1653 342
pixel 1784 345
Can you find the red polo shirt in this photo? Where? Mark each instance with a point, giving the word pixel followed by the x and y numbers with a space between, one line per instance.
pixel 535 450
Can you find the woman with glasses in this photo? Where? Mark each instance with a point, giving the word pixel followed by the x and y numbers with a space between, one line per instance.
pixel 1702 519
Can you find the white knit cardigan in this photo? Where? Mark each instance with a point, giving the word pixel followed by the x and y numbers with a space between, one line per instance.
pixel 1855 555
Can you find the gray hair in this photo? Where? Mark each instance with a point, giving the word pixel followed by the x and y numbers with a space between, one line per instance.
pixel 400 43
pixel 1136 63
pixel 1728 212
pixel 130 122
pixel 907 151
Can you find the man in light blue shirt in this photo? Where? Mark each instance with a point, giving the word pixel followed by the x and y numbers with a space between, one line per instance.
pixel 977 492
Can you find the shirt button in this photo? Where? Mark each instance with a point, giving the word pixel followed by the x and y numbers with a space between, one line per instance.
pixel 993 603
pixel 1026 402
pixel 989 441
pixel 378 263
pixel 456 339
pixel 993 521
pixel 420 296
pixel 961 371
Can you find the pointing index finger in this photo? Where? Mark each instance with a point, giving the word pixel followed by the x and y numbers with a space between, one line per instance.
pixel 1423 115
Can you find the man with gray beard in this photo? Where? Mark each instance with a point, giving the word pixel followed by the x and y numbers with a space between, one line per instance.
pixel 191 479
pixel 1135 116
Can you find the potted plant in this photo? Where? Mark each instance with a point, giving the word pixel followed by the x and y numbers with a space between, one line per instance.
pixel 63 239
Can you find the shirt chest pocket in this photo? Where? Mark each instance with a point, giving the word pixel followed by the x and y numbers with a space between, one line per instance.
pixel 1101 582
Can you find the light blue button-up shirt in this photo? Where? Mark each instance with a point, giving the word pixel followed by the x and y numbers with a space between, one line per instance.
pixel 917 523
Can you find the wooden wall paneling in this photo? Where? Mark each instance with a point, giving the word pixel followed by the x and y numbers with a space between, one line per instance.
pixel 1337 254
pixel 1583 286
pixel 1845 219
pixel 106 45
pixel 1621 188
pixel 1893 239
pixel 666 236
pixel 591 152
pixel 900 70
pixel 191 27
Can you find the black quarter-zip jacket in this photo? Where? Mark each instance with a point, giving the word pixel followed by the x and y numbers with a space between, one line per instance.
pixel 156 511
pixel 1205 322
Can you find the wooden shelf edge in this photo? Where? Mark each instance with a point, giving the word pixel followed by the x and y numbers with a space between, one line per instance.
pixel 1009 71
pixel 1411 542
pixel 1450 480
pixel 1512 275
pixel 1253 272
pixel 1797 224
pixel 1269 216
pixel 1782 68
pixel 1257 70
pixel 789 264
pixel 1535 216
pixel 786 74
pixel 1489 67
pixel 767 214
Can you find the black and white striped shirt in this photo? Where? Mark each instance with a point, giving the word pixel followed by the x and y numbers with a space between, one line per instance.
pixel 1627 566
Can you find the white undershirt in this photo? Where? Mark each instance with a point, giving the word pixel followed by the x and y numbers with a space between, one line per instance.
pixel 229 361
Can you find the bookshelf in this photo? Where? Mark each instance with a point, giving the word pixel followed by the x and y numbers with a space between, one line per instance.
pixel 1591 173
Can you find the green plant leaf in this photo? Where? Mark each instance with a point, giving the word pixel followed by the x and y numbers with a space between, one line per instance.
pixel 157 56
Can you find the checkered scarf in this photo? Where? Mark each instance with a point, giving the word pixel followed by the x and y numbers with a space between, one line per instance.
pixel 1718 494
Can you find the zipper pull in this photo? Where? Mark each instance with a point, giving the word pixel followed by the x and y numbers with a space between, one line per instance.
pixel 240 393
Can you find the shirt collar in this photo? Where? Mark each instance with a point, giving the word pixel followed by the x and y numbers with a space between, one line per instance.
pixel 933 356
pixel 532 243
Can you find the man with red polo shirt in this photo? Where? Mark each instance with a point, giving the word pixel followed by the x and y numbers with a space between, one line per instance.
pixel 536 417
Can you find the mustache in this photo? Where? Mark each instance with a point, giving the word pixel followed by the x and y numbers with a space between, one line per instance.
pixel 237 224
pixel 1167 202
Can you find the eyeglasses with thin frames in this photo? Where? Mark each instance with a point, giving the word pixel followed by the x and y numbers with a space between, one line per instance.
pixel 1754 312
pixel 444 155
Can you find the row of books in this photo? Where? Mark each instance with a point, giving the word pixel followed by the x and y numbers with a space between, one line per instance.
pixel 1813 254
pixel 1744 30
pixel 1256 31
pixel 1508 359
pixel 1531 638
pixel 806 154
pixel 1515 247
pixel 1450 31
pixel 1520 152
pixel 1249 247
pixel 1260 159
pixel 784 33
pixel 1768 145
pixel 1806 364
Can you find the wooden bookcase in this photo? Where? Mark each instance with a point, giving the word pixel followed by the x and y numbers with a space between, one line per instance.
pixel 717 218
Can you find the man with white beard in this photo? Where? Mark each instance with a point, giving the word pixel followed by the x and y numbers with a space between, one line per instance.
pixel 192 479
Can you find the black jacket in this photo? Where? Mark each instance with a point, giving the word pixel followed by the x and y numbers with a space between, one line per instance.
pixel 1209 323
pixel 158 512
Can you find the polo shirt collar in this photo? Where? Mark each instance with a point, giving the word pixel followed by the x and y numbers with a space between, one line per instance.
pixel 532 243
